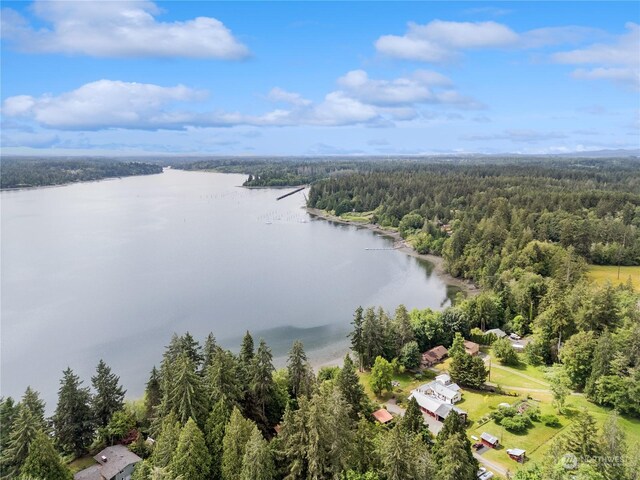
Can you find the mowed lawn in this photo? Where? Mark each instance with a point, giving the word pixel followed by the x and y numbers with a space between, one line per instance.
pixel 406 380
pixel 604 273
pixel 535 441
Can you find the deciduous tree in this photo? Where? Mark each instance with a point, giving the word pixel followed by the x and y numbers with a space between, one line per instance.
pixel 381 376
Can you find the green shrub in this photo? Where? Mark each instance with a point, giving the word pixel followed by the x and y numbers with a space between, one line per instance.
pixel 517 424
pixel 502 413
pixel 550 420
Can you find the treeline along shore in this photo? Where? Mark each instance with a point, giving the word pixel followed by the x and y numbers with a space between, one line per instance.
pixel 31 172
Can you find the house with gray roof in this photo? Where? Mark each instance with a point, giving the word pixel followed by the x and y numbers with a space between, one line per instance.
pixel 114 463
pixel 435 407
pixel 497 332
pixel 442 388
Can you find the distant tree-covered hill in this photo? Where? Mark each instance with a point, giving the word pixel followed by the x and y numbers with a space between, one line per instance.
pixel 38 172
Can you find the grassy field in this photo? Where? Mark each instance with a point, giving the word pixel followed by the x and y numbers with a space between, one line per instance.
pixel 603 273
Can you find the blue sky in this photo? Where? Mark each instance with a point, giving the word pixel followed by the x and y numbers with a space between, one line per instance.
pixel 306 78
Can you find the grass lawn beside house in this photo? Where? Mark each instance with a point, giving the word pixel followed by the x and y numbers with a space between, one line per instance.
pixel 81 463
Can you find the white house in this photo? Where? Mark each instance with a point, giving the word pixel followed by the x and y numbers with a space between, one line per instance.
pixel 442 388
pixel 435 407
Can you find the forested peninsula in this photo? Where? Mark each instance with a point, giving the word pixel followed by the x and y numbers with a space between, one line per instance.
pixel 26 172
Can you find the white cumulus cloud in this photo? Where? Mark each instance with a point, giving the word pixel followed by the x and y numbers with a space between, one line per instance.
pixel 423 86
pixel 439 41
pixel 118 29
pixel 279 95
pixel 104 104
pixel 618 60
pixel 108 104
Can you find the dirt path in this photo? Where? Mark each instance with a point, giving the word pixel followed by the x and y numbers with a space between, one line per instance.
pixel 510 370
pixel 494 467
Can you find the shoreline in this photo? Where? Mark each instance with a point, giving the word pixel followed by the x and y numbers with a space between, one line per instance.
pixel 438 262
pixel 66 184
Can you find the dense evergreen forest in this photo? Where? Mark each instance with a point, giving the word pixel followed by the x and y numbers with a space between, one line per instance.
pixel 276 172
pixel 493 210
pixel 525 233
pixel 38 172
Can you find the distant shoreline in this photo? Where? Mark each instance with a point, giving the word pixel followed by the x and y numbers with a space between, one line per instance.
pixel 75 182
pixel 438 262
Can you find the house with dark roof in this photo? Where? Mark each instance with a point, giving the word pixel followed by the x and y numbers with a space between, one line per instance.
pixel 114 463
pixel 433 356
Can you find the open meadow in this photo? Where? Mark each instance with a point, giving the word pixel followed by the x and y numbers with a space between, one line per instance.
pixel 604 273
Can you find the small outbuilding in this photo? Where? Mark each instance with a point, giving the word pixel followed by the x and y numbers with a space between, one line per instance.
pixel 382 416
pixel 517 454
pixel 489 440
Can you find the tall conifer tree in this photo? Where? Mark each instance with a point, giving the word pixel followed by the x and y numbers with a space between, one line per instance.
pixel 73 418
pixel 43 462
pixel 191 459
pixel 109 396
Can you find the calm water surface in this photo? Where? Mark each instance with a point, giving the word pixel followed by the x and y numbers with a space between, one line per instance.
pixel 111 269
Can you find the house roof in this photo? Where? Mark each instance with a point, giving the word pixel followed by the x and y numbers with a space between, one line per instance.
pixel 427 402
pixel 489 438
pixel 433 404
pixel 471 347
pixel 118 457
pixel 89 473
pixel 382 415
pixel 443 378
pixel 516 452
pixel 497 332
pixel 440 389
pixel 435 353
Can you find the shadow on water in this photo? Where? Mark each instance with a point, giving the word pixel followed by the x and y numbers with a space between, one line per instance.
pixel 280 339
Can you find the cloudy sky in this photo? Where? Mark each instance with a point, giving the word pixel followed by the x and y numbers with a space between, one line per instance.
pixel 138 77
